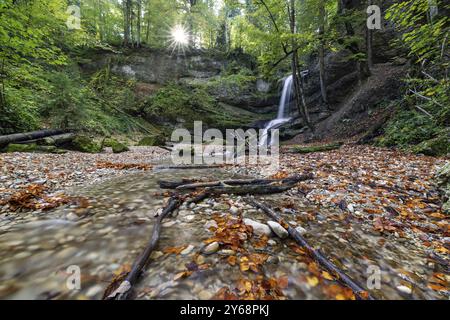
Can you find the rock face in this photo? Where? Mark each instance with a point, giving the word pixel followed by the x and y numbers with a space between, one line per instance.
pixel 443 181
pixel 161 67
pixel 258 228
pixel 278 229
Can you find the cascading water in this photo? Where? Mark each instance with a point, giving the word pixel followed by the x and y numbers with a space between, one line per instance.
pixel 283 112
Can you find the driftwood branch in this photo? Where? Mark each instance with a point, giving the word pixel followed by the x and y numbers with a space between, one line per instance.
pixel 425 98
pixel 125 287
pixel 360 292
pixel 190 167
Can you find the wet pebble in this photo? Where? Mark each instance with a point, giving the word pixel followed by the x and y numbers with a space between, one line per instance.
pixel 301 230
pixel 188 250
pixel 211 248
pixel 94 291
pixel 258 228
pixel 278 229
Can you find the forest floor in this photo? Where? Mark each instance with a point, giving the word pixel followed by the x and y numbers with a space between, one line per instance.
pixel 367 208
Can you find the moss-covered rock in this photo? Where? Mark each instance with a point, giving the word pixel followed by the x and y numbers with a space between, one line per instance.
pixel 155 140
pixel 85 144
pixel 443 182
pixel 118 147
pixel 12 147
pixel 434 147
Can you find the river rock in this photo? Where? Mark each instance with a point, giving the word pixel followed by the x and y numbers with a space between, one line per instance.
pixel 278 229
pixel 227 252
pixel 211 248
pixel 220 206
pixel 211 224
pixel 189 218
pixel 234 210
pixel 187 250
pixel 258 228
pixel 205 295
pixel 301 230
pixel 404 289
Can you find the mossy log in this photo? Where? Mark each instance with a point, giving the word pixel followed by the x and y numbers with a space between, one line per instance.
pixel 19 137
pixel 312 149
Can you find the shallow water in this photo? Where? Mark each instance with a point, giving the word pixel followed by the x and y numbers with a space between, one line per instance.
pixel 35 254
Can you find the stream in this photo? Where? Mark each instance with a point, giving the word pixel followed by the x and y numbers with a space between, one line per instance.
pixel 35 253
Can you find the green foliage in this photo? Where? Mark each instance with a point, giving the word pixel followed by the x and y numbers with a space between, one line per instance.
pixel 423 132
pixel 175 101
pixel 66 104
pixel 408 128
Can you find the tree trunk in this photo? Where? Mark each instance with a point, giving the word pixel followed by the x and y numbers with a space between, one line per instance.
pixel 147 32
pixel 369 39
pixel 322 17
pixel 362 65
pixel 298 87
pixel 138 25
pixel 18 137
pixel 126 15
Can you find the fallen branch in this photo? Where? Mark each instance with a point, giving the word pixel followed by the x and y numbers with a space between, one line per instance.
pixel 360 292
pixel 190 167
pixel 124 289
pixel 192 184
pixel 426 98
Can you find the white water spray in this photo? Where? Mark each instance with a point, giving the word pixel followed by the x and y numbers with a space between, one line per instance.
pixel 283 114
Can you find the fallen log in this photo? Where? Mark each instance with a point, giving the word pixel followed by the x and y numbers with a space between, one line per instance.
pixel 19 137
pixel 193 184
pixel 59 140
pixel 189 167
pixel 124 289
pixel 249 189
pixel 317 255
pixel 312 149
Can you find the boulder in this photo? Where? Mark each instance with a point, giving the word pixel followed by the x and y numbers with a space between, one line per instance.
pixel 155 140
pixel 258 228
pixel 85 144
pixel 443 181
pixel 278 229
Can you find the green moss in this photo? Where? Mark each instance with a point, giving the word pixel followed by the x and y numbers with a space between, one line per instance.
pixel 156 140
pixel 311 149
pixel 118 147
pixel 85 144
pixel 33 148
pixel 12 147
pixel 434 147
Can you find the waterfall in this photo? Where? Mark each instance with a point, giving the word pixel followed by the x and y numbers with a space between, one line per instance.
pixel 283 111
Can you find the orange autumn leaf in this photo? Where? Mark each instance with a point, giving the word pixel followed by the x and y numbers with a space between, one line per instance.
pixel 231 260
pixel 174 250
pixel 283 282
